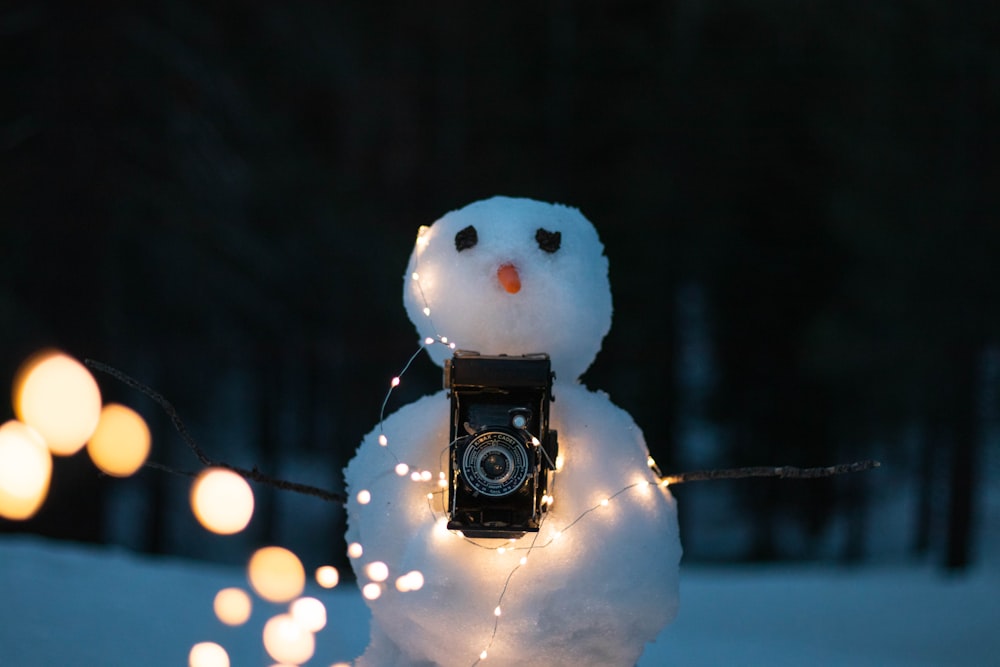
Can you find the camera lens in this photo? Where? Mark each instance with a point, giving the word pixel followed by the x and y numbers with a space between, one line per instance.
pixel 495 463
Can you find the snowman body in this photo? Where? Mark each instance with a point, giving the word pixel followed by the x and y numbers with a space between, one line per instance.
pixel 600 577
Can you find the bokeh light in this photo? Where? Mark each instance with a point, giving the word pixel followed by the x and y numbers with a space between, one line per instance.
pixel 232 606
pixel 120 444
pixel 411 581
pixel 208 654
pixel 276 574
pixel 58 397
pixel 327 576
pixel 288 642
pixel 25 470
pixel 310 613
pixel 377 571
pixel 222 501
pixel 371 591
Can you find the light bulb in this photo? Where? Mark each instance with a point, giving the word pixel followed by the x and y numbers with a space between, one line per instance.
pixel 364 497
pixel 354 550
pixel 327 576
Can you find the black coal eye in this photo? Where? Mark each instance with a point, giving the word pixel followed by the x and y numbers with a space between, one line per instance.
pixel 548 241
pixel 466 238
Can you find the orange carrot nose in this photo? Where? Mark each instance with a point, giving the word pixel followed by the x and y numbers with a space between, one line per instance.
pixel 509 279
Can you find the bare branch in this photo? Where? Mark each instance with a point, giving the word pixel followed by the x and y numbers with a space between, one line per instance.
pixel 252 474
pixel 784 472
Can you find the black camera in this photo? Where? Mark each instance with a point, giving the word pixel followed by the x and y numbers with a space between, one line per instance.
pixel 502 451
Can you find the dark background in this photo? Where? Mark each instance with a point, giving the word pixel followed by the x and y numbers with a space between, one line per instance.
pixel 798 201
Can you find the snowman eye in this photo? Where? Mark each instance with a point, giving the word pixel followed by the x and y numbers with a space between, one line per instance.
pixel 466 238
pixel 548 241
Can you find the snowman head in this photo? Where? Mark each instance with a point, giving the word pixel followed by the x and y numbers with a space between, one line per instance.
pixel 512 276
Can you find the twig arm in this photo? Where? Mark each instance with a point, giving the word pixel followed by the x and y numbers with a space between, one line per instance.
pixel 252 474
pixel 784 472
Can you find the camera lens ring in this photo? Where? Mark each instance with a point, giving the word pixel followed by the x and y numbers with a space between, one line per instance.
pixel 495 463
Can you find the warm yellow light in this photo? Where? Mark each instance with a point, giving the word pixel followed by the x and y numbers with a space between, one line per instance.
pixel 364 497
pixel 208 654
pixel 395 382
pixel 559 462
pixel 377 571
pixel 402 469
pixel 232 606
pixel 310 613
pixel 222 501
pixel 497 611
pixel 354 550
pixel 58 397
pixel 327 576
pixel 604 502
pixel 382 440
pixel 371 591
pixel 120 444
pixel 482 656
pixel 276 574
pixel 288 642
pixel 25 470
pixel 411 581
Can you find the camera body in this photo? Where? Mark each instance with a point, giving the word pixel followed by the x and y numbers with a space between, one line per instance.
pixel 502 451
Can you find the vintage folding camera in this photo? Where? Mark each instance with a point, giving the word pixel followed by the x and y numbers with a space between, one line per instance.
pixel 502 451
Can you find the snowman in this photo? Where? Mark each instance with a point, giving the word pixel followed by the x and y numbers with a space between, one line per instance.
pixel 597 577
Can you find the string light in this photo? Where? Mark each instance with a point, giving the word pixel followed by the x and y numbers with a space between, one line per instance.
pixel 364 497
pixel 377 571
pixel 327 576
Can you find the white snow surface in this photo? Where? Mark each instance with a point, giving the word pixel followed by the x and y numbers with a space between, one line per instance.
pixel 67 604
pixel 601 575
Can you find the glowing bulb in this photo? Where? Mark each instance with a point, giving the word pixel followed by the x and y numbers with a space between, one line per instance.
pixel 557 535
pixel 426 476
pixel 354 550
pixel 427 311
pixel 430 496
pixel 58 397
pixel 496 612
pixel 402 469
pixel 25 470
pixel 444 339
pixel 650 462
pixel 371 591
pixel 395 382
pixel 310 613
pixel 451 345
pixel 276 574
pixel 377 571
pixel 415 275
pixel 288 642
pixel 482 656
pixel 327 576
pixel 559 462
pixel 604 502
pixel 535 441
pixel 232 606
pixel 524 560
pixel 208 654
pixel 222 501
pixel 382 440
pixel 120 444
pixel 415 476
pixel 501 550
pixel 411 581
pixel 428 341
pixel 364 497
pixel 443 483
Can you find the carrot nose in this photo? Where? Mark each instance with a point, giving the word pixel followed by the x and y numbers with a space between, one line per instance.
pixel 509 278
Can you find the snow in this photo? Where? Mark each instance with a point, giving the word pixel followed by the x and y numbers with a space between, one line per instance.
pixel 600 578
pixel 67 604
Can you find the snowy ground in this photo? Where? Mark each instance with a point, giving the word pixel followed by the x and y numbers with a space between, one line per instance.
pixel 64 604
